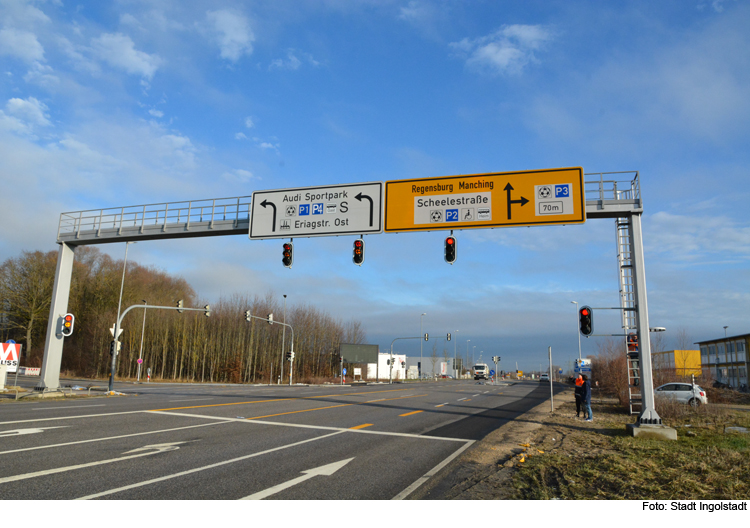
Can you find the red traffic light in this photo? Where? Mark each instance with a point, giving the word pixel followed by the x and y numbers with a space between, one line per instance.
pixel 450 250
pixel 358 255
pixel 288 254
pixel 450 241
pixel 584 311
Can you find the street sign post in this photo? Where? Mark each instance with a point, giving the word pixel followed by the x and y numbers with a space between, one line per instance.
pixel 351 209
pixel 506 199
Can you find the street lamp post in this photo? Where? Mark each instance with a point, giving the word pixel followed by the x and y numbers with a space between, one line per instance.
pixel 455 356
pixel 467 351
pixel 420 345
pixel 725 331
pixel 579 333
pixel 473 351
pixel 117 323
pixel 143 329
pixel 283 341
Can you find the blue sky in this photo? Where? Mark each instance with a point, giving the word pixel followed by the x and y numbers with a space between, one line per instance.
pixel 106 104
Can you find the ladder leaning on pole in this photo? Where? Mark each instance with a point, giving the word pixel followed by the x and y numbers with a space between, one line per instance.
pixel 627 302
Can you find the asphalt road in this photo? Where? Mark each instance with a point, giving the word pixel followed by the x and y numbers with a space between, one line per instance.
pixel 192 441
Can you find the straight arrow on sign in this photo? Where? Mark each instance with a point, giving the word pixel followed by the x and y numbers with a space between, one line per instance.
pixel 325 471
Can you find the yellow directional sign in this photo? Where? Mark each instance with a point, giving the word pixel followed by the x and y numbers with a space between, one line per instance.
pixel 502 199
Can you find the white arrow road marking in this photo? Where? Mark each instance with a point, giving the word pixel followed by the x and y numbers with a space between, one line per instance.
pixel 204 468
pixel 17 432
pixel 151 450
pixel 325 471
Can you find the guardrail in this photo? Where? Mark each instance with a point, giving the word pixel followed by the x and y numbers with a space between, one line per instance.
pixel 149 216
pixel 609 187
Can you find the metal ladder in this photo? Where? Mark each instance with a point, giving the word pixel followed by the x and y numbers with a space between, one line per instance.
pixel 627 301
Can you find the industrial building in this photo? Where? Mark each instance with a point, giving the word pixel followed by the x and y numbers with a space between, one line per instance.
pixel 726 359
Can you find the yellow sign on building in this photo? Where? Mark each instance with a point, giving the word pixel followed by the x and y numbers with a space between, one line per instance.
pixel 503 199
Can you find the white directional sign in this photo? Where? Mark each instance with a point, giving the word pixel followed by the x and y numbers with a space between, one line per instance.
pixel 352 209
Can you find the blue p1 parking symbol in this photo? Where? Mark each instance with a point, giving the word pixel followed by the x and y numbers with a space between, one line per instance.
pixel 304 209
pixel 562 191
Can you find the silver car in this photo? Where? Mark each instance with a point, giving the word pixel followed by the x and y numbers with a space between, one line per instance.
pixel 693 395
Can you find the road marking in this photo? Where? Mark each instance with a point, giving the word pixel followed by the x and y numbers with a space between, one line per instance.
pixel 192 399
pixel 65 407
pixel 326 471
pixel 330 407
pixel 151 450
pixel 211 466
pixel 463 399
pixel 318 427
pixel 424 478
pixel 409 413
pixel 476 395
pixel 442 404
pixel 360 426
pixel 18 432
pixel 70 417
pixel 223 421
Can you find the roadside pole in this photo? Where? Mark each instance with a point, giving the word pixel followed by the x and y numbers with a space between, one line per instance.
pixel 551 394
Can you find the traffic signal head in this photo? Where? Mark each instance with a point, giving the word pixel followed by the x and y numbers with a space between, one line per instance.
pixel 270 318
pixel 450 249
pixel 179 306
pixel 67 324
pixel 207 309
pixel 358 256
pixel 449 337
pixel 288 254
pixel 247 315
pixel 586 319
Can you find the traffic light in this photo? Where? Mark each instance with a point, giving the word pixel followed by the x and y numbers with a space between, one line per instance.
pixel 426 336
pixel 288 254
pixel 112 347
pixel 247 315
pixel 179 306
pixel 586 318
pixel 450 249
pixel 207 313
pixel 359 252
pixel 67 325
pixel 289 356
pixel 449 337
pixel 403 364
pixel 270 318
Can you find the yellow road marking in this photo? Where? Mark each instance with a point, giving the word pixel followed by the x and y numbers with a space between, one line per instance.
pixel 360 426
pixel 278 400
pixel 410 413
pixel 329 407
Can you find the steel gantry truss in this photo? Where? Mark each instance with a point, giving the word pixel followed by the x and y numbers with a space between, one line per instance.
pixel 614 195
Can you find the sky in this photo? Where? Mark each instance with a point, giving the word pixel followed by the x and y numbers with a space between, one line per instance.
pixel 108 104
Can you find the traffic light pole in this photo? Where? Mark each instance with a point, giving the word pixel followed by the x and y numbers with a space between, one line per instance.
pixel 118 324
pixel 390 372
pixel 270 320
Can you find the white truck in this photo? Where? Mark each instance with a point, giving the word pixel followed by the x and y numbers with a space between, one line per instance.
pixel 481 371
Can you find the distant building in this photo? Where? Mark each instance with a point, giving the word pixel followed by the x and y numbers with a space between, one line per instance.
pixel 382 371
pixel 726 359
pixel 679 363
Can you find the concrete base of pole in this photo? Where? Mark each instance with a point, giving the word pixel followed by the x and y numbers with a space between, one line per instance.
pixel 657 432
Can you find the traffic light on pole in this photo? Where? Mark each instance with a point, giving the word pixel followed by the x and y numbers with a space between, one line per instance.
pixel 207 309
pixel 288 255
pixel 247 315
pixel 450 249
pixel 586 319
pixel 358 256
pixel 67 325
pixel 179 306
pixel 270 318
pixel 449 336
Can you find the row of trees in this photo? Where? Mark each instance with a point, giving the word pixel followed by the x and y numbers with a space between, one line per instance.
pixel 187 346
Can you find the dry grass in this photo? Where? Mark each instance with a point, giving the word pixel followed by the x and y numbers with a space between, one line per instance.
pixel 571 459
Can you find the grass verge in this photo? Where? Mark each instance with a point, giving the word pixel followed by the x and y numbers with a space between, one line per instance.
pixel 572 459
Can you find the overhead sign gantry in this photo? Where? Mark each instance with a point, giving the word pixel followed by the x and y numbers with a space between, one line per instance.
pixel 503 199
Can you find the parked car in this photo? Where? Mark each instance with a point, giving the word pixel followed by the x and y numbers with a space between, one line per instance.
pixel 682 392
pixel 544 377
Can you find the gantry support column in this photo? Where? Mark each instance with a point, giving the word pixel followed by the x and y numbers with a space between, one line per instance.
pixel 53 345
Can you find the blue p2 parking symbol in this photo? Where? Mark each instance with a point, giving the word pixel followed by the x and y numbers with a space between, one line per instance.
pixel 451 215
pixel 562 191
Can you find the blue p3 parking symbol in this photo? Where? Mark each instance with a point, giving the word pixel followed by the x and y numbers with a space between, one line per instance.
pixel 562 191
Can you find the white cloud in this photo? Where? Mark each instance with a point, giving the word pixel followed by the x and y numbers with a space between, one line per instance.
pixel 697 239
pixel 31 111
pixel 119 51
pixel 240 135
pixel 249 122
pixel 238 175
pixel 232 32
pixel 506 51
pixel 291 63
pixel 41 74
pixel 20 44
pixel 156 113
pixel 414 12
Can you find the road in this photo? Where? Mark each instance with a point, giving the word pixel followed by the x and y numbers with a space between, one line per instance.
pixel 193 441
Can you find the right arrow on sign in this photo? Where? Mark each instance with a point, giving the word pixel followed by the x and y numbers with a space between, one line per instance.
pixel 523 201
